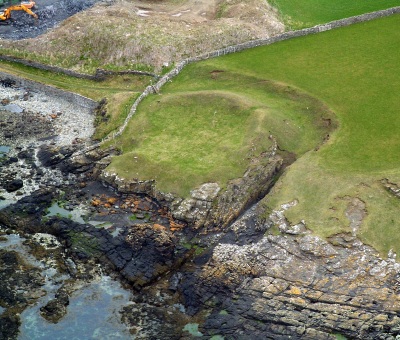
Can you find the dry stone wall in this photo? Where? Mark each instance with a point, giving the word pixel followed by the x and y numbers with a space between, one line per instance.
pixel 251 44
pixel 240 47
pixel 98 76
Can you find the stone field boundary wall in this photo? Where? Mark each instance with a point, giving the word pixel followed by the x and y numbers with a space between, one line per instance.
pixel 250 44
pixel 50 91
pixel 98 76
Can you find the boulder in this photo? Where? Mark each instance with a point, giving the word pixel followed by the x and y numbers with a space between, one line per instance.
pixel 56 308
pixel 152 252
pixel 13 185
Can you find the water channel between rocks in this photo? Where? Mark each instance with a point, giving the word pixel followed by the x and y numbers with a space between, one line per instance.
pixel 93 310
pixel 26 125
pixel 92 314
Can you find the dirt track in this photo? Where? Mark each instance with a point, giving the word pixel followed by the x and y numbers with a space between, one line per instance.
pixel 191 11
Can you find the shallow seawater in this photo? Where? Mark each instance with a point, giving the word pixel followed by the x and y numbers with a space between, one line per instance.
pixel 75 215
pixel 5 203
pixel 114 231
pixel 193 329
pixel 93 313
pixel 4 149
pixel 14 108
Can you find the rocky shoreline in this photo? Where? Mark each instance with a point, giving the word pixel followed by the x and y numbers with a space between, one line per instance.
pixel 210 265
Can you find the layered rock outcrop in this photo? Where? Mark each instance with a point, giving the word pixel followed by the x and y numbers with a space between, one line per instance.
pixel 300 287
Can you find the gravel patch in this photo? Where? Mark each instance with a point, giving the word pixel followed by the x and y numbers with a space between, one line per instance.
pixel 50 13
pixel 30 119
pixel 70 121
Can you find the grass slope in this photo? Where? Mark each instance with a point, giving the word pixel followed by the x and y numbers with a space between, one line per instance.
pixel 304 13
pixel 209 129
pixel 354 70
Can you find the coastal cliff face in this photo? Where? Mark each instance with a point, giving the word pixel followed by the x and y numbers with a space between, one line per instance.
pixel 210 259
pixel 297 286
pixel 209 205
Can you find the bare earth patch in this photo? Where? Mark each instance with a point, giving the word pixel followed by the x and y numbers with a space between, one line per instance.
pixel 154 33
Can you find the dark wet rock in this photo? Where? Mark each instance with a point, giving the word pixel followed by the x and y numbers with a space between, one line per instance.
pixel 19 281
pixel 69 159
pixel 13 185
pixel 141 255
pixel 7 82
pixel 174 281
pixel 26 214
pixel 51 155
pixel 12 160
pixel 26 154
pixel 9 326
pixel 153 253
pixel 55 309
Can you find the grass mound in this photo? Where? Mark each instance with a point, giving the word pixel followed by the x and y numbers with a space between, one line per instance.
pixel 306 13
pixel 210 129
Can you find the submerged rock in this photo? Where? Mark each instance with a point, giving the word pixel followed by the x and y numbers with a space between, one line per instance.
pixel 20 285
pixel 55 309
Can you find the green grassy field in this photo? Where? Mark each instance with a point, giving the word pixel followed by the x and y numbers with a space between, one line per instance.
pixel 305 13
pixel 353 70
